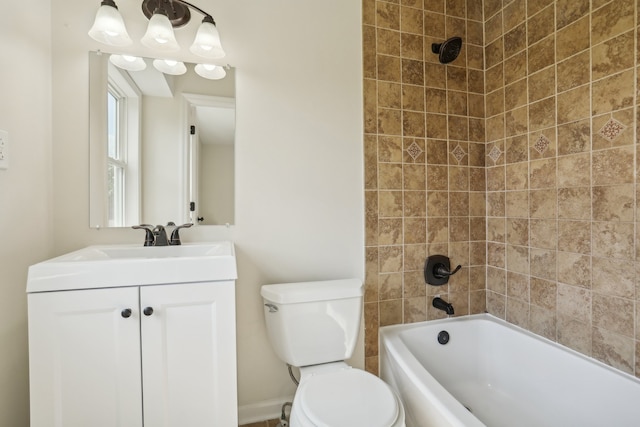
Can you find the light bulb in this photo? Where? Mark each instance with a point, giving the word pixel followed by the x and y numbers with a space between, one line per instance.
pixel 108 27
pixel 207 42
pixel 160 34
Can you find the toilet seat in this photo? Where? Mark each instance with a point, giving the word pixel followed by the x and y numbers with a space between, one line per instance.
pixel 347 398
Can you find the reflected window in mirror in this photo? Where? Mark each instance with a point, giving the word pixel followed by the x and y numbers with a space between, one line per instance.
pixel 116 169
pixel 122 149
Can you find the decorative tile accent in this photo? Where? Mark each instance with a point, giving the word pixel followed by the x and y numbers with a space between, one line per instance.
pixel 541 144
pixel 414 150
pixel 495 153
pixel 458 153
pixel 612 129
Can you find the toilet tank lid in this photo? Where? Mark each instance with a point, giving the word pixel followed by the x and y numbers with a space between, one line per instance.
pixel 291 293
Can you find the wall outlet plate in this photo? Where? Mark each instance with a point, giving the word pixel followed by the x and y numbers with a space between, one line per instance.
pixel 4 149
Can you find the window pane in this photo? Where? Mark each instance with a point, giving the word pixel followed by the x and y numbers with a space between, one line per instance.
pixel 116 166
pixel 112 126
pixel 115 195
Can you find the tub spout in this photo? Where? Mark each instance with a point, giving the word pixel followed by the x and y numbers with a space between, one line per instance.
pixel 441 304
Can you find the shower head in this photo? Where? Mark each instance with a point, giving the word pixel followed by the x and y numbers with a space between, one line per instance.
pixel 447 51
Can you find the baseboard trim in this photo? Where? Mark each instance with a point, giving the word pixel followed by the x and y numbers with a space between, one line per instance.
pixel 262 411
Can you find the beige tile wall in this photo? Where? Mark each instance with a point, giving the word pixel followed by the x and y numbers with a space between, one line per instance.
pixel 561 184
pixel 425 160
pixel 518 160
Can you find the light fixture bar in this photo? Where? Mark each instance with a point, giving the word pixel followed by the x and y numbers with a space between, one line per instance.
pixel 194 7
pixel 177 13
pixel 207 41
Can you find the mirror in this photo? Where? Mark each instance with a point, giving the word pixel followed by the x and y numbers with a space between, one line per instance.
pixel 161 146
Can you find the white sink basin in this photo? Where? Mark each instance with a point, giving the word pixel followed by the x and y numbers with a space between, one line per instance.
pixel 134 265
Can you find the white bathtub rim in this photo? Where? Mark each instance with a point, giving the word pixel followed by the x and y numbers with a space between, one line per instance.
pixel 447 405
pixel 438 396
pixel 387 330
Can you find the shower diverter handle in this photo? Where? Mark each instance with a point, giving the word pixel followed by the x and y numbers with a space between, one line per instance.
pixel 437 270
pixel 441 271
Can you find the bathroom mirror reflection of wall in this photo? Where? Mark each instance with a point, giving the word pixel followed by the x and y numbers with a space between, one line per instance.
pixel 146 162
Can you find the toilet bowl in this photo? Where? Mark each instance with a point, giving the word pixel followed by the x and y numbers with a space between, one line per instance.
pixel 342 396
pixel 314 326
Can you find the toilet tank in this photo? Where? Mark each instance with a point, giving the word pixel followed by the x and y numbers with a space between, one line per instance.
pixel 309 323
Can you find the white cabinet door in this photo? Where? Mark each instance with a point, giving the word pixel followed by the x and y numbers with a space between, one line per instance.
pixel 189 355
pixel 84 358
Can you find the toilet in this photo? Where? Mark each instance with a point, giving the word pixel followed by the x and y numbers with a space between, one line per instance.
pixel 314 326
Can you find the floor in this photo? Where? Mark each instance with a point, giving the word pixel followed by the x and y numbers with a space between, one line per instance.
pixel 269 423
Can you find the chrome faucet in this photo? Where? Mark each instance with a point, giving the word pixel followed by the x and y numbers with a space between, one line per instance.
pixel 157 236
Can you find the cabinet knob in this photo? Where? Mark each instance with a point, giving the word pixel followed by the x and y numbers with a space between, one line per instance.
pixel 148 311
pixel 126 313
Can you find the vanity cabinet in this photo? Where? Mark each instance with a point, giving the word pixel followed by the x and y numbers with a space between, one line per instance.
pixel 135 356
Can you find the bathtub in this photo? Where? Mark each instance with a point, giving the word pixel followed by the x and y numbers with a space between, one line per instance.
pixel 491 373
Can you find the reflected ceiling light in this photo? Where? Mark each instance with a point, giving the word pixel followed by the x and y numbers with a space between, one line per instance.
pixel 128 62
pixel 169 66
pixel 108 27
pixel 210 71
pixel 164 16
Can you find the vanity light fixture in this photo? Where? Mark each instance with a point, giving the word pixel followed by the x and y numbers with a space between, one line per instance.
pixel 128 62
pixel 164 16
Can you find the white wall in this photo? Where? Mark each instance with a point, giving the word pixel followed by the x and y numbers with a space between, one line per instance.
pixel 299 163
pixel 25 190
pixel 216 171
pixel 163 153
pixel 161 160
